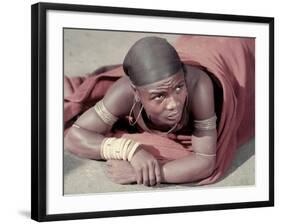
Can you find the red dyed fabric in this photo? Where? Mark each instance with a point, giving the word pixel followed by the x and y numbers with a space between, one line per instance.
pixel 230 60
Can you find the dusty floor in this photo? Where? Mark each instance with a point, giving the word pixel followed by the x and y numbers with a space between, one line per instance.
pixel 86 50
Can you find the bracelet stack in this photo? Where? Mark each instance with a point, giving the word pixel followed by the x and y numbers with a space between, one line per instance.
pixel 104 114
pixel 205 125
pixel 118 148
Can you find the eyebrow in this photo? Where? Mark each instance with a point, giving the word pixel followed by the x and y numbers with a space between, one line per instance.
pixel 161 89
pixel 156 91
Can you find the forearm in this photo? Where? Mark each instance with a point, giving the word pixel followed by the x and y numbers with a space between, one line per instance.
pixel 187 169
pixel 83 143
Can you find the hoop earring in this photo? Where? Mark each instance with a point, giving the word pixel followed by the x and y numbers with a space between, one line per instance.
pixel 130 114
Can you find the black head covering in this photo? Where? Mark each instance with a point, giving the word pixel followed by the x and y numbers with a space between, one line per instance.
pixel 151 59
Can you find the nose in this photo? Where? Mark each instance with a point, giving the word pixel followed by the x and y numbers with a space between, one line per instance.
pixel 171 103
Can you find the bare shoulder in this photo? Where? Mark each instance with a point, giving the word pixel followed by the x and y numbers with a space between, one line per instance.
pixel 204 82
pixel 196 76
pixel 117 100
pixel 202 102
pixel 120 97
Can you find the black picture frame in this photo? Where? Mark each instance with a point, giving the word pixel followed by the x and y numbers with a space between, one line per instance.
pixel 39 109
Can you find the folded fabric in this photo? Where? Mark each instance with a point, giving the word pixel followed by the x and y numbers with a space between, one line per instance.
pixel 232 62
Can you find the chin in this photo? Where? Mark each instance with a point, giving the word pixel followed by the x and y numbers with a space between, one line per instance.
pixel 170 123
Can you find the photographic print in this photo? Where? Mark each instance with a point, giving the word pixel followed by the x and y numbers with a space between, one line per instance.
pixel 140 111
pixel 97 54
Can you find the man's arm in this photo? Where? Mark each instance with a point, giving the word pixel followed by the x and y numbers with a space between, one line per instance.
pixel 84 140
pixel 201 163
pixel 193 167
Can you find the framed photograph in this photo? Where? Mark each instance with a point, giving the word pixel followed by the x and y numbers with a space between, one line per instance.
pixel 141 111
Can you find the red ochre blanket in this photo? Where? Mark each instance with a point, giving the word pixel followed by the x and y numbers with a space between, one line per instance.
pixel 230 60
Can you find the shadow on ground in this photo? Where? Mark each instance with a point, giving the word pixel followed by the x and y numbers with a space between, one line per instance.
pixel 243 154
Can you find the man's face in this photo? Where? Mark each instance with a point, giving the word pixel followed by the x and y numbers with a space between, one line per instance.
pixel 164 101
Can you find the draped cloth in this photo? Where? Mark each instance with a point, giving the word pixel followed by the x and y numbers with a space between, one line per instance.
pixel 230 60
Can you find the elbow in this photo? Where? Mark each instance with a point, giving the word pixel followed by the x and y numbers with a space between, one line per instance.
pixel 209 167
pixel 69 141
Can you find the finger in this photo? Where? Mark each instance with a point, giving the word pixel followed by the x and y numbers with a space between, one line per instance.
pixel 139 176
pixel 151 173
pixel 109 175
pixel 186 144
pixel 109 162
pixel 172 136
pixel 109 171
pixel 183 137
pixel 158 173
pixel 112 176
pixel 145 176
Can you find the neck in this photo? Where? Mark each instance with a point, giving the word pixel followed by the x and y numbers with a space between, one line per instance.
pixel 161 128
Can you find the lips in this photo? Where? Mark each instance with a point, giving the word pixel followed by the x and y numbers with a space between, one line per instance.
pixel 173 116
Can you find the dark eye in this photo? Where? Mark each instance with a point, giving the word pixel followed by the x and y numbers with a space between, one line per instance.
pixel 178 88
pixel 159 97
